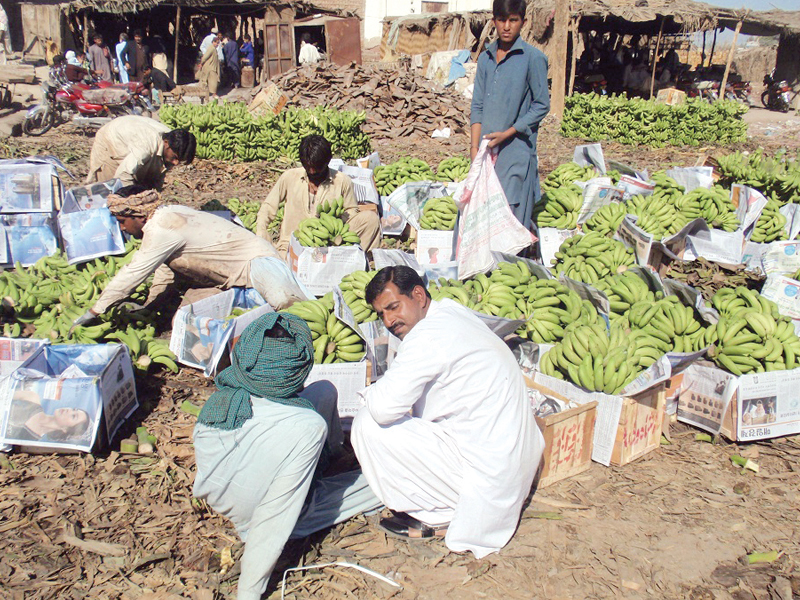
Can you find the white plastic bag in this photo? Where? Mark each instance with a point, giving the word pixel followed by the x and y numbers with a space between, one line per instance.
pixel 487 222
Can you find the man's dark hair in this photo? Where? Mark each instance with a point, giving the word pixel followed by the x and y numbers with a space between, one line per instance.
pixel 405 278
pixel 138 32
pixel 123 36
pixel 130 190
pixel 58 59
pixel 95 35
pixel 246 37
pixel 183 144
pixel 315 151
pixel 502 9
pixel 306 37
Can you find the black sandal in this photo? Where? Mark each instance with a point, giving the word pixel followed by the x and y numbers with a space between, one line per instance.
pixel 407 527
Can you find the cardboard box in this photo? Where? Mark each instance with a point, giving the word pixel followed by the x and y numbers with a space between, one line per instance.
pixel 270 100
pixel 95 381
pixel 671 96
pixel 321 269
pixel 568 441
pixel 639 430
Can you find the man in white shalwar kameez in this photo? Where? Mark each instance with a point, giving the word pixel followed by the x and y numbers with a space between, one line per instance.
pixel 446 438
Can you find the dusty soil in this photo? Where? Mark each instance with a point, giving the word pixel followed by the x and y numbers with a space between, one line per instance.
pixel 674 524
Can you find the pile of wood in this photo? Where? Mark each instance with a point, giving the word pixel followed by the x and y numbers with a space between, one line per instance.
pixel 398 102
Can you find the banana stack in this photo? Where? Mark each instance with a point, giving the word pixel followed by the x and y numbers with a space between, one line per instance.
pixel 592 257
pixel 325 231
pixel 144 348
pixel 666 187
pixel 559 207
pixel 670 321
pixel 607 219
pixel 656 216
pixel 334 341
pixel 334 208
pixel 390 177
pixel 751 336
pixel 439 214
pixel 770 226
pixel 453 169
pixel 623 291
pixel 567 174
pixel 353 288
pixel 713 205
pixel 248 213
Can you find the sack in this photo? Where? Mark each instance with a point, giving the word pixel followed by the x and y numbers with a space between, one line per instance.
pixel 487 223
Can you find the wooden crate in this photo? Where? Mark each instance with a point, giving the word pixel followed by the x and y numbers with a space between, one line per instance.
pixel 568 443
pixel 640 423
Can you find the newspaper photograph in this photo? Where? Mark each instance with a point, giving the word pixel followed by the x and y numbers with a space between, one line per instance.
pixel 705 396
pixel 200 331
pixel 633 186
pixel 434 247
pixel 89 197
pixel 26 188
pixel 321 269
pixel 392 221
pixel 598 193
pixel 785 292
pixel 635 238
pixel 30 237
pixel 781 258
pixel 768 405
pixel 15 351
pixel 90 234
pixel 550 240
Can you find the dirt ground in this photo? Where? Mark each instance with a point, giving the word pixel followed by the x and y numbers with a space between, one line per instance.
pixel 674 524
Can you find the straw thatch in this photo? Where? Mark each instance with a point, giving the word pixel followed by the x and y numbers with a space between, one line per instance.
pixel 134 6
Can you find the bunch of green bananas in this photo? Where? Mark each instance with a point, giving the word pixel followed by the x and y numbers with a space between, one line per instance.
pixel 566 174
pixel 713 205
pixel 390 177
pixel 145 349
pixel 592 257
pixel 777 177
pixel 751 336
pixel 795 275
pixel 353 288
pixel 607 219
pixel 670 321
pixel 453 169
pixel 559 207
pixel 771 225
pixel 657 216
pixel 439 213
pixel 334 341
pixel 623 290
pixel 666 186
pixel 247 211
pixel 334 208
pixel 325 231
pixel 649 123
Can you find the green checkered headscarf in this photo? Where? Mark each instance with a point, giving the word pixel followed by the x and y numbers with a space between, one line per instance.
pixel 274 368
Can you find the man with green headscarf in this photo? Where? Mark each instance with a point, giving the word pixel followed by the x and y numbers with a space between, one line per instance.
pixel 258 442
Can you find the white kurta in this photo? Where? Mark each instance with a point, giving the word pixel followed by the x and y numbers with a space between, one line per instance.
pixel 471 447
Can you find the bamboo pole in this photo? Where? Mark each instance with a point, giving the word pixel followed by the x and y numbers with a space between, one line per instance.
pixel 655 56
pixel 713 46
pixel 576 22
pixel 731 52
pixel 264 58
pixel 85 30
pixel 559 73
pixel 177 38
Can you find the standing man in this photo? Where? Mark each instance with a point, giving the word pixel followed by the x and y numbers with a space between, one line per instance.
pixel 136 56
pixel 230 51
pixel 306 188
pixel 137 149
pixel 248 54
pixel 209 72
pixel 309 54
pixel 100 59
pixel 5 40
pixel 509 101
pixel 120 48
pixel 447 436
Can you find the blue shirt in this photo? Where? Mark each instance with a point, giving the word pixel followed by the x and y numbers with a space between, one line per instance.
pixel 247 52
pixel 511 93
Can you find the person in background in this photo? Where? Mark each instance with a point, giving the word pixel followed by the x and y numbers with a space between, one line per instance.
pixel 213 34
pixel 209 72
pixel 136 56
pixel 5 40
pixel 100 59
pixel 158 79
pixel 309 54
pixel 247 52
pixel 73 70
pixel 123 72
pixel 509 101
pixel 230 51
pixel 305 188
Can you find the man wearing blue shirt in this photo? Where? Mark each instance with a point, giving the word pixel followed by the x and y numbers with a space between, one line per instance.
pixel 509 101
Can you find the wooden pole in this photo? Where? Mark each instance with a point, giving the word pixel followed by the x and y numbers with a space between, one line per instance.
pixel 713 46
pixel 85 30
pixel 576 22
pixel 731 52
pixel 264 58
pixel 559 66
pixel 177 38
pixel 655 56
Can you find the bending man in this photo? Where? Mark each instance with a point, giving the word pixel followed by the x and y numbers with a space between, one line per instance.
pixel 305 188
pixel 203 248
pixel 258 441
pixel 138 150
pixel 447 435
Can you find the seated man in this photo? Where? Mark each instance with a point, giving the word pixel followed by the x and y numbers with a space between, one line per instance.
pixel 258 441
pixel 207 250
pixel 140 150
pixel 447 435
pixel 306 188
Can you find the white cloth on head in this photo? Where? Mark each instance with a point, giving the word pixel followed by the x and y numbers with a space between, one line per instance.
pixel 469 449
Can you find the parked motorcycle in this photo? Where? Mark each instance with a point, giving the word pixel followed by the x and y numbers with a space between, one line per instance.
pixel 777 96
pixel 739 91
pixel 71 103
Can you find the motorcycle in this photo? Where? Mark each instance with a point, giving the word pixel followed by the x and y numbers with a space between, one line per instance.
pixel 739 91
pixel 595 83
pixel 777 96
pixel 69 103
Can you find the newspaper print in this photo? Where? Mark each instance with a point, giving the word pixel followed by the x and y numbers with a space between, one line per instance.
pixel 705 396
pixel 768 405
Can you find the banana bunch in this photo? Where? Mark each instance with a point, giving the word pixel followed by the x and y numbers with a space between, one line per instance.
pixel 144 348
pixel 325 231
pixel 777 177
pixel 623 290
pixel 591 358
pixel 12 330
pixel 666 187
pixel 334 208
pixel 592 257
pixel 770 226
pixel 795 275
pixel 669 321
pixel 390 177
pixel 730 301
pixel 452 289
pixel 354 286
pixel 559 207
pixel 752 341
pixel 334 341
pixel 713 205
pixel 656 215
pixel 566 174
pixel 453 169
pixel 439 214
pixel 248 212
pixel 607 219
